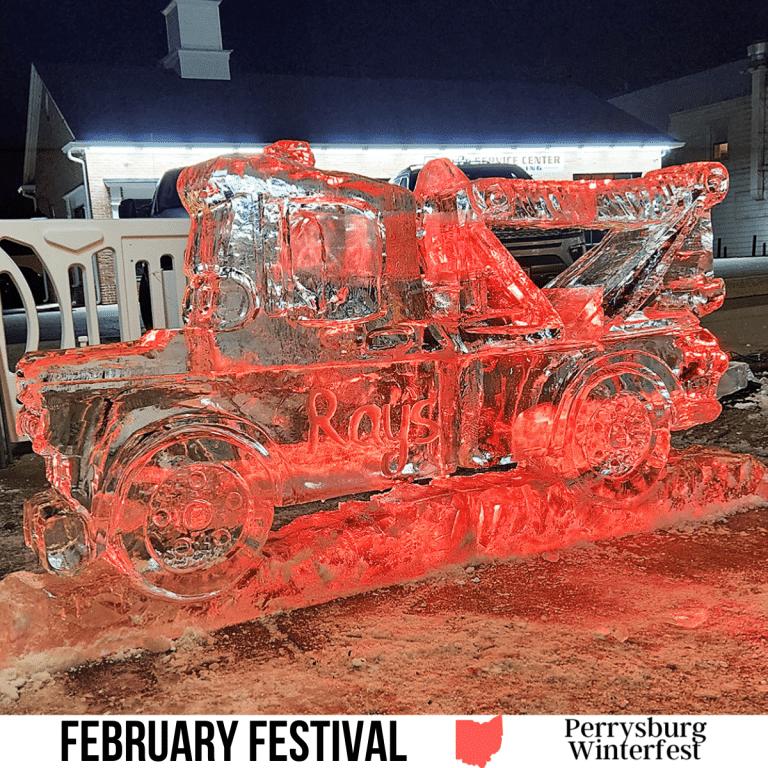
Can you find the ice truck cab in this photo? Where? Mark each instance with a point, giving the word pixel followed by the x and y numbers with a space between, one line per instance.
pixel 344 335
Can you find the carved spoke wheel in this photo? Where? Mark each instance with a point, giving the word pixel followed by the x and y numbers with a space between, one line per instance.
pixel 193 512
pixel 619 434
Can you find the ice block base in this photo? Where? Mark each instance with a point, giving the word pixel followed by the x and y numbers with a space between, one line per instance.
pixel 404 534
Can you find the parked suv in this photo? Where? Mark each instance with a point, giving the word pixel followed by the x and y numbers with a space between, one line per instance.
pixel 543 254
pixel 165 202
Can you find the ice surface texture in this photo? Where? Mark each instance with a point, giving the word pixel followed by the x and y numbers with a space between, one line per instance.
pixel 344 335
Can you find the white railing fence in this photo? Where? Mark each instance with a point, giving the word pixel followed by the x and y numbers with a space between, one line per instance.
pixel 92 263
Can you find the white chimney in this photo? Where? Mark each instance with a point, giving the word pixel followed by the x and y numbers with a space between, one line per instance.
pixel 194 40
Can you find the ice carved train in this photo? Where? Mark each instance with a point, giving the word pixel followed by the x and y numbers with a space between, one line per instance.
pixel 343 335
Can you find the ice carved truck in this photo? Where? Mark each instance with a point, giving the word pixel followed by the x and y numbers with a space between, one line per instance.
pixel 343 335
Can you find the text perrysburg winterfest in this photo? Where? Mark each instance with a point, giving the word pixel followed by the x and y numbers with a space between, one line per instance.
pixel 644 739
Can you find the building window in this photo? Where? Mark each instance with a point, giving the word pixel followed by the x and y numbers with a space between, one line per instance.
pixel 720 151
pixel 75 202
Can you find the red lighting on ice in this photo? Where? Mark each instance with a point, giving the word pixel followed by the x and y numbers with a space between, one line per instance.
pixel 344 335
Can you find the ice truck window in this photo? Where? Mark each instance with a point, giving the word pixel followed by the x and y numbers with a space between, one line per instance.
pixel 336 256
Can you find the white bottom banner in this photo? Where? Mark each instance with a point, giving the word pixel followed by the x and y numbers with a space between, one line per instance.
pixel 436 741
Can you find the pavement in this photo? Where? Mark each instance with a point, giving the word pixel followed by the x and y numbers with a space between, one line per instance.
pixel 741 324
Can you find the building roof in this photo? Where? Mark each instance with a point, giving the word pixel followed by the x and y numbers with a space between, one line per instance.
pixel 656 103
pixel 150 105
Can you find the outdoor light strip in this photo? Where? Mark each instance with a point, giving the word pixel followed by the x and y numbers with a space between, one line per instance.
pixel 474 149
pixel 225 148
pixel 166 148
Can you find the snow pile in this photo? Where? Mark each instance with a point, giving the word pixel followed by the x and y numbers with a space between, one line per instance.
pixel 757 400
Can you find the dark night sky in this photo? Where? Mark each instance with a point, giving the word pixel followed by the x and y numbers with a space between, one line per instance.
pixel 606 46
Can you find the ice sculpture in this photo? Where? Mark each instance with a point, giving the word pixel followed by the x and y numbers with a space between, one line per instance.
pixel 345 335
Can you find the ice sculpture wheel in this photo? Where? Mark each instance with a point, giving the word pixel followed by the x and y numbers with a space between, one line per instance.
pixel 619 432
pixel 343 335
pixel 187 503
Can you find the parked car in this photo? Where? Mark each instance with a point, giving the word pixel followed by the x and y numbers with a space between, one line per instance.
pixel 543 254
pixel 407 177
pixel 165 201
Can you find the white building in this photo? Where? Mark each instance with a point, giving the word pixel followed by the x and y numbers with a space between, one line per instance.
pixel 95 137
pixel 719 114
